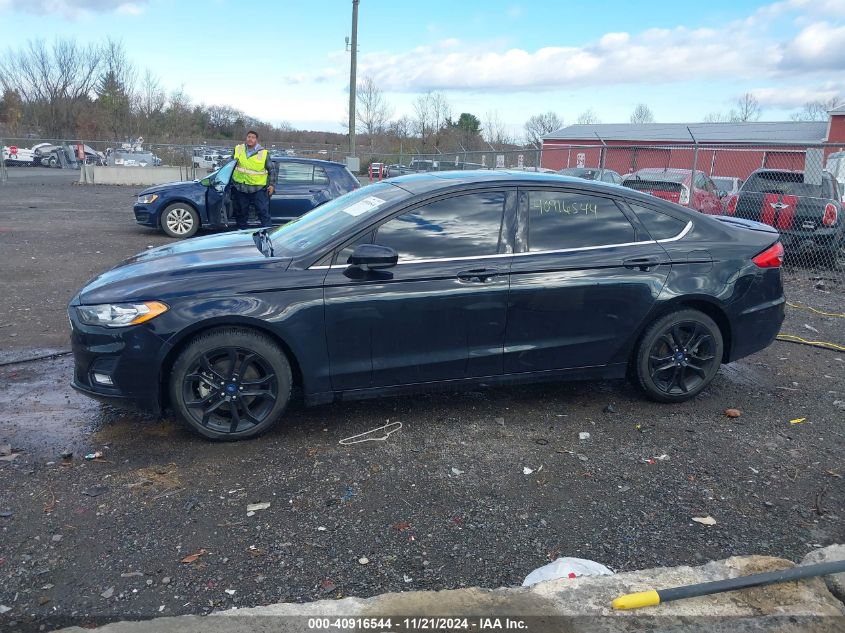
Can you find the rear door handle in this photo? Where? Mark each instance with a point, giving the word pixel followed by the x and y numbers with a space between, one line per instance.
pixel 643 263
pixel 478 275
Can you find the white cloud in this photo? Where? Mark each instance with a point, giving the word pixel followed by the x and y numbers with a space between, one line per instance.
pixel 746 50
pixel 73 9
pixel 797 96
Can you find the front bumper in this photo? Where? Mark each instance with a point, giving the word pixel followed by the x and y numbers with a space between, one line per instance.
pixel 146 214
pixel 130 357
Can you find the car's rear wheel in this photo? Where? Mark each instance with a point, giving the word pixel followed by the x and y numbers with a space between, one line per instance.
pixel 180 220
pixel 837 257
pixel 231 384
pixel 678 356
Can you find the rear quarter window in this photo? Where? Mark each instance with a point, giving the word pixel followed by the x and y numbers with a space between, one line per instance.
pixel 660 226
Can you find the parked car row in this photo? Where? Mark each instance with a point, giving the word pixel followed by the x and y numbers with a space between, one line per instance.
pixel 50 155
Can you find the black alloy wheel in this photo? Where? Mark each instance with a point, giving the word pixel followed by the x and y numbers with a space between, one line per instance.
pixel 231 384
pixel 679 355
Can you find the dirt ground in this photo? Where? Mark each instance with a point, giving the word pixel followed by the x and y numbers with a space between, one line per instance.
pixel 159 524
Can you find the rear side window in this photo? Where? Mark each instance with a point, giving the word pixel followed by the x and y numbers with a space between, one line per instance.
pixel 301 173
pixel 659 225
pixel 560 220
pixel 461 226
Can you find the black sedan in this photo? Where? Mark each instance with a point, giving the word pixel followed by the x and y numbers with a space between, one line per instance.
pixel 430 281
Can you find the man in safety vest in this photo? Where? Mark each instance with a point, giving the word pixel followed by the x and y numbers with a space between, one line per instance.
pixel 253 181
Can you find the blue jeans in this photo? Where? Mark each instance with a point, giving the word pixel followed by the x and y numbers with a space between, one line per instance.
pixel 240 206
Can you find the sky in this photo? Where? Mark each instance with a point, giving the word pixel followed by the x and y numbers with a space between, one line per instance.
pixel 285 60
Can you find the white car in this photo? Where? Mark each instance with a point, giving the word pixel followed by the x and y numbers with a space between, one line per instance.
pixel 23 156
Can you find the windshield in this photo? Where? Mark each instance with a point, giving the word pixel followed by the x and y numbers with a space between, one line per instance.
pixel 223 175
pixel 783 182
pixel 587 174
pixel 333 218
pixel 723 184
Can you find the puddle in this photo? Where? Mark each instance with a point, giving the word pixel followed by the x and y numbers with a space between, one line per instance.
pixel 41 414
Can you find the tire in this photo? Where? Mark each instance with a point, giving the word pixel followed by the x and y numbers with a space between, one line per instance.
pixel 678 356
pixel 837 258
pixel 180 220
pixel 250 371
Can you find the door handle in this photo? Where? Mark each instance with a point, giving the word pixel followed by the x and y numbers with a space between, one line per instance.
pixel 478 275
pixel 643 263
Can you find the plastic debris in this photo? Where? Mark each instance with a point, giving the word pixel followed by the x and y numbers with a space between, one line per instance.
pixel 95 491
pixel 95 455
pixel 5 514
pixel 811 328
pixel 662 458
pixel 108 593
pixel 797 420
pixel 527 471
pixel 456 471
pixel 231 592
pixel 348 494
pixel 583 435
pixel 566 568
pixel 407 578
pixel 4 609
pixel 255 507
pixel 733 413
pixel 364 560
pixel 708 520
pixel 387 429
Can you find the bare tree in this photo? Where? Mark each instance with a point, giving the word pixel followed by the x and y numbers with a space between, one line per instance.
pixel 372 111
pixel 423 122
pixel 54 81
pixel 717 117
pixel 642 114
pixel 817 110
pixel 541 124
pixel 747 109
pixel 150 98
pixel 494 131
pixel 588 117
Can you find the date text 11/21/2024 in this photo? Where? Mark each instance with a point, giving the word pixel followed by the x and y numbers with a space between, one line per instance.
pixel 417 624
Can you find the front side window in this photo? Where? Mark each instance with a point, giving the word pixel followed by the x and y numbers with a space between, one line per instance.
pixel 560 220
pixel 461 226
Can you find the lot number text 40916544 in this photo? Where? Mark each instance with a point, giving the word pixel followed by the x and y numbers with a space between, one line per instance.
pixel 417 624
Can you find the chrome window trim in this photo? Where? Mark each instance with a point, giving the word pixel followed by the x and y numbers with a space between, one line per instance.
pixel 679 236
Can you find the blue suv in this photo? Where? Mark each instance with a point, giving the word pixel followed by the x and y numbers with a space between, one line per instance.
pixel 181 208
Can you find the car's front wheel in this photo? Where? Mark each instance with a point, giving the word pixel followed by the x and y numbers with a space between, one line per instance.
pixel 180 220
pixel 678 356
pixel 230 384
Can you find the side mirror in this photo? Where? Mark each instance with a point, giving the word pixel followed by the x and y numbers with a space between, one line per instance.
pixel 373 257
pixel 206 182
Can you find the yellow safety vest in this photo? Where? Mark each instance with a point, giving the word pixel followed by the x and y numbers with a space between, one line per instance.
pixel 250 170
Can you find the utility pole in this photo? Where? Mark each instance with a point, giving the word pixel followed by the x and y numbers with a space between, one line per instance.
pixel 352 78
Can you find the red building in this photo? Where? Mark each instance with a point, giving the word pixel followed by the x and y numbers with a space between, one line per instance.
pixel 724 149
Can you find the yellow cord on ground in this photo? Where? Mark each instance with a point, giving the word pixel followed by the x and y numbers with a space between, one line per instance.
pixel 811 309
pixel 791 338
pixel 636 600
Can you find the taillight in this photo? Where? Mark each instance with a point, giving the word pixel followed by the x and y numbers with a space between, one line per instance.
pixel 684 195
pixel 730 208
pixel 830 214
pixel 772 257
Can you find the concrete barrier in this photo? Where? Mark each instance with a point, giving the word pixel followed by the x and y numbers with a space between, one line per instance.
pixel 94 175
pixel 577 605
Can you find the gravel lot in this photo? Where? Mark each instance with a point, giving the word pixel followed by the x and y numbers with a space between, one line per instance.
pixel 444 502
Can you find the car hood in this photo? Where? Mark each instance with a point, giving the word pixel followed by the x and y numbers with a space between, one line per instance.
pixel 186 185
pixel 214 262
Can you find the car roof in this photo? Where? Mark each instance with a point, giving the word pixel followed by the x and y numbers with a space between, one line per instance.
pixel 437 180
pixel 296 159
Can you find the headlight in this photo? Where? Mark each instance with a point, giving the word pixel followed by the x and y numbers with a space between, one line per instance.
pixel 120 314
pixel 147 199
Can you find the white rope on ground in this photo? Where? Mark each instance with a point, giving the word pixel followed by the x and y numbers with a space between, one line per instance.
pixel 355 438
